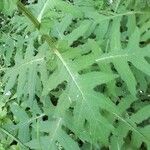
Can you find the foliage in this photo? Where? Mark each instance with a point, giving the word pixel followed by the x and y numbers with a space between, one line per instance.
pixel 75 74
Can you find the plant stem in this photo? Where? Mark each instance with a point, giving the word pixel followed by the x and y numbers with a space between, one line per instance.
pixel 36 23
pixel 28 14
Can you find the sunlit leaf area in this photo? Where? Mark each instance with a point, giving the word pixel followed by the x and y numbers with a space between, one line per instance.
pixel 74 74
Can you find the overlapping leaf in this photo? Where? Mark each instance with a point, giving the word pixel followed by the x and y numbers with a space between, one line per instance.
pixel 81 92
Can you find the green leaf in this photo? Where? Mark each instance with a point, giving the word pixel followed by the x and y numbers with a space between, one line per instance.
pixel 78 32
pixel 8 7
pixel 141 115
pixel 1 5
pixel 79 79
